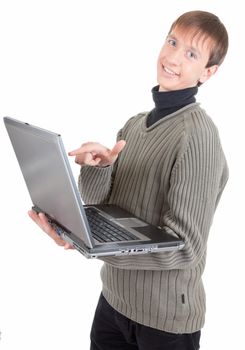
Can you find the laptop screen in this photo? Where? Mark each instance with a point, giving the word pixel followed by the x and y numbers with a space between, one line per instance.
pixel 48 176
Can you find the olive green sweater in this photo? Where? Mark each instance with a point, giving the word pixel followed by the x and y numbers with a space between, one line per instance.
pixel 171 175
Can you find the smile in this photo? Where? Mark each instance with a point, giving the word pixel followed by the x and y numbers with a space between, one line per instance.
pixel 169 71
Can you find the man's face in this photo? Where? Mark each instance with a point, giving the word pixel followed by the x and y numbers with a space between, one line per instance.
pixel 182 61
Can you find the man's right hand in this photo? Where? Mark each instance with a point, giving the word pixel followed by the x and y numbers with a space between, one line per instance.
pixel 42 221
pixel 95 154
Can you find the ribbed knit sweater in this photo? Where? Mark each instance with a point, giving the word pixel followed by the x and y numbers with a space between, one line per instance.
pixel 170 174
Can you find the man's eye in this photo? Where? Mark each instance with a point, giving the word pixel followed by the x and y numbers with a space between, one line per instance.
pixel 172 42
pixel 191 55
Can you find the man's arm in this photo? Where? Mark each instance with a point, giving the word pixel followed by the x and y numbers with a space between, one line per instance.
pixel 197 181
pixel 98 166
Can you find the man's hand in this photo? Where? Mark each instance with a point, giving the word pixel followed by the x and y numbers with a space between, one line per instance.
pixel 42 221
pixel 95 154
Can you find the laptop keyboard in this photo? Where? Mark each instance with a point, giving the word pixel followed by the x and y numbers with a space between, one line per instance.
pixel 104 230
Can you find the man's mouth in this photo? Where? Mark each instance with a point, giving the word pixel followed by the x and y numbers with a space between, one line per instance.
pixel 170 72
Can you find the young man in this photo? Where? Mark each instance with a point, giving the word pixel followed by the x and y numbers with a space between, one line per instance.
pixel 167 168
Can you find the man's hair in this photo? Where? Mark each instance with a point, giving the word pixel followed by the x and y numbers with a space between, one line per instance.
pixel 206 25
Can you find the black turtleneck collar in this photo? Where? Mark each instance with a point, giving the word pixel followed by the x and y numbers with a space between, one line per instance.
pixel 167 102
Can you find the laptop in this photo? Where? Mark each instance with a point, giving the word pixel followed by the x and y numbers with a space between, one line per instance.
pixel 94 230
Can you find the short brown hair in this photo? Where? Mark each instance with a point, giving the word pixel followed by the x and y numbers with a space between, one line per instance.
pixel 207 25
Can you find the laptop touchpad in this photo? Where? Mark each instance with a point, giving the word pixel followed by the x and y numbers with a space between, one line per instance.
pixel 131 222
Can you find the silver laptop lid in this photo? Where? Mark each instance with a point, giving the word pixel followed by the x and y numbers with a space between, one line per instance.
pixel 48 176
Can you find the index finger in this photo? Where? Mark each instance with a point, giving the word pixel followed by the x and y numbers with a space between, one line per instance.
pixel 118 148
pixel 89 148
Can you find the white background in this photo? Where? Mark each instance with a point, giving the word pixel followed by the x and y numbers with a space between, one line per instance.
pixel 82 68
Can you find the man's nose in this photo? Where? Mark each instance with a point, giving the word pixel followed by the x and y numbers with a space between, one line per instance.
pixel 175 56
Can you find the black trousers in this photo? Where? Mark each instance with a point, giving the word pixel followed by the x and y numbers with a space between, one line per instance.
pixel 113 331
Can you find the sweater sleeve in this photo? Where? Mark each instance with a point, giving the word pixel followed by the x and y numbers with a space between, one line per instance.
pixel 197 181
pixel 95 183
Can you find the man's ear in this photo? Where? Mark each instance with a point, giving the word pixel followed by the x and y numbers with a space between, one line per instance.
pixel 208 72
